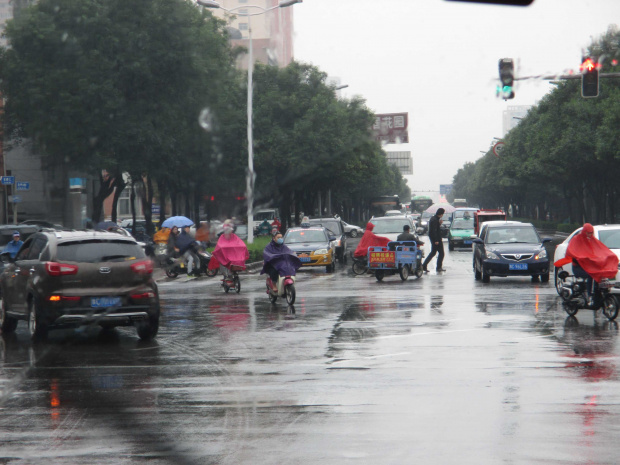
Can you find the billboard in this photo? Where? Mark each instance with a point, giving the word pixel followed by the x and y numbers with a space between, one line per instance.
pixel 391 128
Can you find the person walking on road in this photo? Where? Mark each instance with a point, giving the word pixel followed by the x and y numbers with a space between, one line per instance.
pixel 434 234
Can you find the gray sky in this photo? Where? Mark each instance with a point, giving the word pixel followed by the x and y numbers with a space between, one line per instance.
pixel 438 61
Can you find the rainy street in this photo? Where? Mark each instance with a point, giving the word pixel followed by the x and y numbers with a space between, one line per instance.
pixel 438 370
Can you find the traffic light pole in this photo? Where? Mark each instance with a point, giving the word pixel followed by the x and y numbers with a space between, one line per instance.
pixel 565 76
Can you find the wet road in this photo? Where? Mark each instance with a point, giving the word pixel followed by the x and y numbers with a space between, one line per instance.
pixel 440 370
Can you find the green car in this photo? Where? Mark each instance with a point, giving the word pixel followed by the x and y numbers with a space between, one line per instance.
pixel 461 233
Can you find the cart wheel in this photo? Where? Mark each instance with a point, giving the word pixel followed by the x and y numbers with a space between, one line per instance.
pixel 419 272
pixel 237 284
pixel 379 274
pixel 610 307
pixel 403 271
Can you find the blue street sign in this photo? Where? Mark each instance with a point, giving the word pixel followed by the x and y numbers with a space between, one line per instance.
pixel 15 198
pixel 155 209
pixel 8 180
pixel 22 186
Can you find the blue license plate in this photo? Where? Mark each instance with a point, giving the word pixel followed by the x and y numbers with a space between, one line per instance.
pixel 517 266
pixel 304 259
pixel 467 242
pixel 102 302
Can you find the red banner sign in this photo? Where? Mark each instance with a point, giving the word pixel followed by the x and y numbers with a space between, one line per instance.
pixel 382 258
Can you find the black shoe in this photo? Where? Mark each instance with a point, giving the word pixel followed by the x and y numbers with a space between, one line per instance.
pixel 439 270
pixel 425 269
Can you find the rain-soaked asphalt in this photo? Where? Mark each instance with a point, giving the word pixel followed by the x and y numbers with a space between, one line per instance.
pixel 440 370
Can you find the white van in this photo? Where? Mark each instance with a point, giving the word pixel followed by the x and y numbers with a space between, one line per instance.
pixel 268 214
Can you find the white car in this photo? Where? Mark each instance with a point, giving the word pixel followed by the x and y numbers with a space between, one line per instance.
pixel 608 234
pixel 352 230
pixel 391 226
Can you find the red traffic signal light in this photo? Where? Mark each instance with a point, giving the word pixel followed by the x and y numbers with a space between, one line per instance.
pixel 589 77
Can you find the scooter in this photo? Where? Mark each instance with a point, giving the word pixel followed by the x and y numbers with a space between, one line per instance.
pixel 574 294
pixel 161 253
pixel 284 288
pixel 177 266
pixel 360 265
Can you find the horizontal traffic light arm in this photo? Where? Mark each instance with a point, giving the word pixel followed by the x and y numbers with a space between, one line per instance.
pixel 565 76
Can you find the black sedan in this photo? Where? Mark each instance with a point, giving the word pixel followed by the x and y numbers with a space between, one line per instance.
pixel 510 250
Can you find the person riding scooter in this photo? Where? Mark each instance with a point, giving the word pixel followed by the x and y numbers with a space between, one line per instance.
pixel 591 259
pixel 279 261
pixel 369 239
pixel 229 251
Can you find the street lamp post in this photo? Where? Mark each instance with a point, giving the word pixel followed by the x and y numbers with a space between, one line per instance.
pixel 250 178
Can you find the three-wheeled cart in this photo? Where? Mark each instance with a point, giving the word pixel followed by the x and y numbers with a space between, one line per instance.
pixel 404 258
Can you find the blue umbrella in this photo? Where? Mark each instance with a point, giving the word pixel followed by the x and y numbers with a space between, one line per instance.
pixel 178 221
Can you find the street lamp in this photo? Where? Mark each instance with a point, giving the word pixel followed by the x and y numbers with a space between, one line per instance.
pixel 250 175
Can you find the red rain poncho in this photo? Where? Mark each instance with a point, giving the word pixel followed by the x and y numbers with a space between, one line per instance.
pixel 369 239
pixel 591 255
pixel 228 252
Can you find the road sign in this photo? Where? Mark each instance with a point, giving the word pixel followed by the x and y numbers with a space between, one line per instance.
pixel 497 149
pixel 15 198
pixel 8 180
pixel 155 209
pixel 22 186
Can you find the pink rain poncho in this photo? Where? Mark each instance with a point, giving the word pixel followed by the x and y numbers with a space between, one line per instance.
pixel 229 252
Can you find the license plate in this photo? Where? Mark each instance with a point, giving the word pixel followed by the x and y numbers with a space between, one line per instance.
pixel 304 259
pixel 467 242
pixel 517 266
pixel 101 302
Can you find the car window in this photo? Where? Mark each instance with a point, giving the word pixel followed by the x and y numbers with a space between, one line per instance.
pixel 95 251
pixel 611 238
pixel 38 245
pixel 389 226
pixel 462 223
pixel 512 235
pixel 23 252
pixel 308 235
pixel 333 226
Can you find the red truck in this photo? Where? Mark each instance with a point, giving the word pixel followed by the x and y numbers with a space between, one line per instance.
pixel 487 215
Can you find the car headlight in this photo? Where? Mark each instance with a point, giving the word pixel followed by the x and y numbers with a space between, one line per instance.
pixel 492 255
pixel 541 254
pixel 320 252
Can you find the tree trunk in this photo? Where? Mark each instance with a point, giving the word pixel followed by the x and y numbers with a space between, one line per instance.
pixel 147 204
pixel 119 184
pixel 132 205
pixel 106 187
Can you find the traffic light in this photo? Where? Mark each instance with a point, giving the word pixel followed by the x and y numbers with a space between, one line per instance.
pixel 589 77
pixel 506 76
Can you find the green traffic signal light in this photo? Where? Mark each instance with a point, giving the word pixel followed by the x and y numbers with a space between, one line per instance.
pixel 506 76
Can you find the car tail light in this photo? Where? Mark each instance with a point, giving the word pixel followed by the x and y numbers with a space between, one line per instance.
pixel 66 298
pixel 60 269
pixel 143 267
pixel 143 295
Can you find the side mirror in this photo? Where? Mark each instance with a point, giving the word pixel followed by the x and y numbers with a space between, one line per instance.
pixel 5 257
pixel 478 241
pixel 332 238
pixel 546 239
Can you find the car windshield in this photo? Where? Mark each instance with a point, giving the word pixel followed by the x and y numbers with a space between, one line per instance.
pixel 332 226
pixel 426 215
pixel 261 216
pixel 389 226
pixel 463 214
pixel 306 235
pixel 521 235
pixel 95 251
pixel 462 223
pixel 611 238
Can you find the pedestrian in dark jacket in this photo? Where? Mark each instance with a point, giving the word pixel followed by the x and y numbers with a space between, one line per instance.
pixel 434 234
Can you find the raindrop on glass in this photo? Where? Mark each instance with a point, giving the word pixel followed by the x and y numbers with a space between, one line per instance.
pixel 205 119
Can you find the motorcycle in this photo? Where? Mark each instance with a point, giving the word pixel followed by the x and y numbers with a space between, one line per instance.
pixel 606 296
pixel 284 288
pixel 177 266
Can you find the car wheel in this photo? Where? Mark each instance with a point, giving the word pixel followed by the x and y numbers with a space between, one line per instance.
pixel 450 246
pixel 36 326
pixel 544 278
pixel 486 278
pixel 535 278
pixel 354 233
pixel 610 307
pixel 379 274
pixel 7 323
pixel 148 329
pixel 477 274
pixel 330 268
